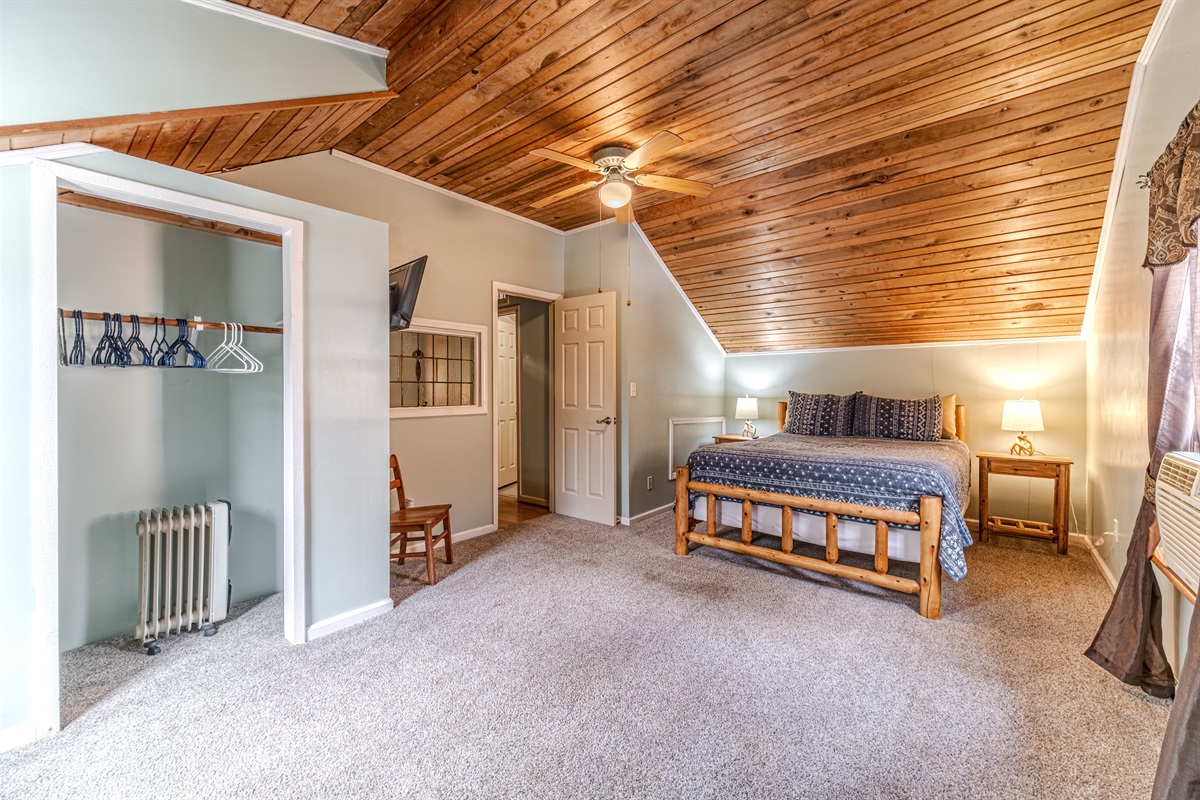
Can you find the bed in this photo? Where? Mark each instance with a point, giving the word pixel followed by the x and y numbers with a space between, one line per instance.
pixel 895 499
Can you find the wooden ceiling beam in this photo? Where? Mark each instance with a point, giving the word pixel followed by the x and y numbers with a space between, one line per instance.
pixel 70 198
pixel 159 117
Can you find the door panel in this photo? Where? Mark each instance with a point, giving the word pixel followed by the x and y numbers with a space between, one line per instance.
pixel 506 398
pixel 586 407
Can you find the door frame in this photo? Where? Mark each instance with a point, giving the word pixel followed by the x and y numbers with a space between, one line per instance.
pixel 47 177
pixel 533 294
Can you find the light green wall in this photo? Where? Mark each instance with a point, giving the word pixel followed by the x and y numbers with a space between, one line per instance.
pixel 445 459
pixel 664 349
pixel 983 377
pixel 123 430
pixel 129 57
pixel 1118 341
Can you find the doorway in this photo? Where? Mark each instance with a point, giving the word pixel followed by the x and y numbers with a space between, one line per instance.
pixel 521 358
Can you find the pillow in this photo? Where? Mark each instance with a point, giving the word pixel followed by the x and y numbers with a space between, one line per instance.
pixel 888 418
pixel 949 420
pixel 820 414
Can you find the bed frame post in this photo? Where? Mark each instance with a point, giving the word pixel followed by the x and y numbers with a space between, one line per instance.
pixel 682 512
pixel 931 568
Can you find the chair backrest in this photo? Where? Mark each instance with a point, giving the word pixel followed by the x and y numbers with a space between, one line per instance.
pixel 398 482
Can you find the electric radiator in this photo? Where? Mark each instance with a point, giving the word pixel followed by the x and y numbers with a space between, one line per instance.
pixel 183 574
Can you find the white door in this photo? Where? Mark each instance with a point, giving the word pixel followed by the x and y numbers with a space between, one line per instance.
pixel 506 398
pixel 585 397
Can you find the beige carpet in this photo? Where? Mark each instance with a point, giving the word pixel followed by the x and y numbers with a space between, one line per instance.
pixel 564 659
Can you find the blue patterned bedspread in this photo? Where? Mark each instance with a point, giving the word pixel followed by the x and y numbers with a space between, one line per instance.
pixel 886 473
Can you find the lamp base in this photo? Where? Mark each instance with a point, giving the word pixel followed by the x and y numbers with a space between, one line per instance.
pixel 750 432
pixel 1022 446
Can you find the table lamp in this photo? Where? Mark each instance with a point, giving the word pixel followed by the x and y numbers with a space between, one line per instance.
pixel 747 409
pixel 1022 415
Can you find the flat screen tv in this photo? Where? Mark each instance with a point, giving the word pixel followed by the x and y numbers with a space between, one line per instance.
pixel 405 281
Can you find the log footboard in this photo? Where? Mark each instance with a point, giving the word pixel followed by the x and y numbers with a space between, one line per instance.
pixel 928 520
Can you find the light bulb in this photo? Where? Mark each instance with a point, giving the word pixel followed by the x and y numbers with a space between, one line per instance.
pixel 615 192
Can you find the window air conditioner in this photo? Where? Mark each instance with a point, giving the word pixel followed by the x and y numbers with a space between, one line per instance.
pixel 1177 498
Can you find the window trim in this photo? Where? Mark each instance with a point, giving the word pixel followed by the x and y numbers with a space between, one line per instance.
pixel 482 384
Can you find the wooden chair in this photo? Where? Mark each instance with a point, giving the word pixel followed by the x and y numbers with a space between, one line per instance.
pixel 418 518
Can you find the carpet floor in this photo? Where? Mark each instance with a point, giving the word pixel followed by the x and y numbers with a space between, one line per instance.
pixel 562 659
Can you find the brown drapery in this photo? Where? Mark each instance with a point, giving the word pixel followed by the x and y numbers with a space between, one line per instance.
pixel 1129 642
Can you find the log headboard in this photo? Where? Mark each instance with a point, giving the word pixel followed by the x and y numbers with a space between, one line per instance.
pixel 960 419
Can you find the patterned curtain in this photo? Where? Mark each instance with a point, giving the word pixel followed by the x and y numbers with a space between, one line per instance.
pixel 1129 642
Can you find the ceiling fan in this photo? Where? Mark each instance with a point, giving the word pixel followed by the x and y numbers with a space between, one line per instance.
pixel 616 166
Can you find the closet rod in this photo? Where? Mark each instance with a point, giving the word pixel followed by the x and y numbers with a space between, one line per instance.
pixel 192 323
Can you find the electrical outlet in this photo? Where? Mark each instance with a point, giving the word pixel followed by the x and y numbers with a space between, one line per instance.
pixel 649 482
pixel 633 390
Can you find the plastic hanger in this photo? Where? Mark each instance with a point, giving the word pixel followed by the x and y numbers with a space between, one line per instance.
pixel 78 355
pixel 158 346
pixel 198 360
pixel 218 358
pixel 135 341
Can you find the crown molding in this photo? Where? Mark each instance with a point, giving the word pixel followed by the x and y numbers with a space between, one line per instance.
pixel 400 176
pixel 264 18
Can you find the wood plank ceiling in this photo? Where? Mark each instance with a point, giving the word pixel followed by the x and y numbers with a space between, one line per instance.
pixel 886 172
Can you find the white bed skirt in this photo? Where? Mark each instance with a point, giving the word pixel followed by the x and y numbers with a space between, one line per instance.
pixel 857 537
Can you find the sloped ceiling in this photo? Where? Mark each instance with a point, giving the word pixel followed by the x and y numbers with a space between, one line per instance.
pixel 885 172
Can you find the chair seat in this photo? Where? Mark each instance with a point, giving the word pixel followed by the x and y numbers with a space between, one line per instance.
pixel 415 518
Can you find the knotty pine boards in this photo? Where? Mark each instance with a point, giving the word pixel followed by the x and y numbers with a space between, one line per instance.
pixel 885 173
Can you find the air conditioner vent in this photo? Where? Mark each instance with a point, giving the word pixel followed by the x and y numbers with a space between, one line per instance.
pixel 1179 514
pixel 1179 474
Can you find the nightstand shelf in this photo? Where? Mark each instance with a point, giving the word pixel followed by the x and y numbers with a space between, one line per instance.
pixel 1056 468
pixel 730 437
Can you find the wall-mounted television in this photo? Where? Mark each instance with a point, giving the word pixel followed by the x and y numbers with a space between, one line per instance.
pixel 405 281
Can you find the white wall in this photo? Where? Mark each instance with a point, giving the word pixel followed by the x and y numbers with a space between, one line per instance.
pixel 983 377
pixel 119 57
pixel 1117 346
pixel 445 459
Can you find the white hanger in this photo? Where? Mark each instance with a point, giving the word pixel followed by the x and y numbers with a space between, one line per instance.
pixel 231 347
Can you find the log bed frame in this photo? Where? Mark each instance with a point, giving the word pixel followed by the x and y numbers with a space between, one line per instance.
pixel 928 520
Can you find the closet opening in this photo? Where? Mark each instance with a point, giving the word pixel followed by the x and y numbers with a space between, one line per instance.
pixel 125 436
pixel 522 421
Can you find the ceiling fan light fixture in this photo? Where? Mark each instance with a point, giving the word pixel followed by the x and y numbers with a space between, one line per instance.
pixel 615 192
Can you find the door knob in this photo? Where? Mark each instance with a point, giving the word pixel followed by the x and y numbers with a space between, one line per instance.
pixel 605 421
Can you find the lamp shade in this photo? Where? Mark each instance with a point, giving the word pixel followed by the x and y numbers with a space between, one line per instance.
pixel 747 408
pixel 615 192
pixel 1022 415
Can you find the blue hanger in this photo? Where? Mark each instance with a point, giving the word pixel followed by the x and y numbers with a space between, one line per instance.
pixel 135 341
pixel 78 355
pixel 100 356
pixel 158 347
pixel 181 340
pixel 117 355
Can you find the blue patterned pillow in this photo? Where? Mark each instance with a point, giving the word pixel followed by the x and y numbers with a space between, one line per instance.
pixel 887 418
pixel 820 414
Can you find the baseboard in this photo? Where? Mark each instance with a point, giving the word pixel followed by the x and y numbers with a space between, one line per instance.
pixel 647 514
pixel 17 735
pixel 455 536
pixel 328 626
pixel 1101 564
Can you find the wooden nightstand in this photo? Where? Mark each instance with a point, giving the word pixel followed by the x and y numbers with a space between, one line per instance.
pixel 730 437
pixel 1055 467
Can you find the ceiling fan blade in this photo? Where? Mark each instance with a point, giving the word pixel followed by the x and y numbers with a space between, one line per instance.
pixel 678 185
pixel 554 198
pixel 625 213
pixel 564 158
pixel 659 145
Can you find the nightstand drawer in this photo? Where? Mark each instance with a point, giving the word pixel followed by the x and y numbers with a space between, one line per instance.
pixel 1025 469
